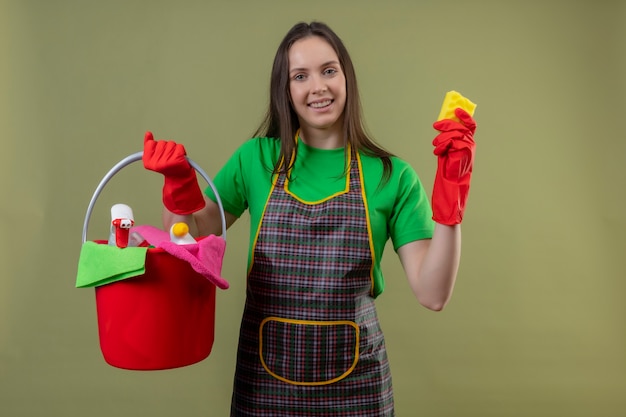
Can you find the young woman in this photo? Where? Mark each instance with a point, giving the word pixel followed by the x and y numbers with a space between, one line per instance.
pixel 323 200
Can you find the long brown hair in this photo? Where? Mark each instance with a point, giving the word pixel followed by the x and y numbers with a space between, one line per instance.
pixel 281 120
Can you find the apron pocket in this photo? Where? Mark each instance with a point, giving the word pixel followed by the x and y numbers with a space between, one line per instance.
pixel 304 352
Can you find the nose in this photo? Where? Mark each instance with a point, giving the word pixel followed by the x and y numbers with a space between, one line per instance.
pixel 319 85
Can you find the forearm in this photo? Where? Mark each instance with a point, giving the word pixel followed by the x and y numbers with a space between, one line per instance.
pixel 203 222
pixel 431 265
pixel 438 271
pixel 170 218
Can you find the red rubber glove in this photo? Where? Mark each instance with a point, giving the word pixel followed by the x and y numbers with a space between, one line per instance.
pixel 454 148
pixel 181 192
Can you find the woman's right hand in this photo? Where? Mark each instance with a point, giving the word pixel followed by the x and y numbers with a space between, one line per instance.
pixel 165 157
pixel 181 192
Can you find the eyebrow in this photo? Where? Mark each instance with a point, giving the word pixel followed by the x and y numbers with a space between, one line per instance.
pixel 325 64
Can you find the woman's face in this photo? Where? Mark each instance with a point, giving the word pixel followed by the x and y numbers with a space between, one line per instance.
pixel 317 85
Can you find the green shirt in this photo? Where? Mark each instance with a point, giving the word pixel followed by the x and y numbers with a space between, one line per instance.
pixel 399 209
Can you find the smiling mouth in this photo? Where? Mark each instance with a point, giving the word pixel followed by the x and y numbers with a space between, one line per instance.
pixel 321 104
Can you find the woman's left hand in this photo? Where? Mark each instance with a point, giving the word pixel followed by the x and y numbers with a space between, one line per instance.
pixel 455 148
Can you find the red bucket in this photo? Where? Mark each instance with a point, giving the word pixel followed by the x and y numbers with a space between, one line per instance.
pixel 162 319
pixel 159 320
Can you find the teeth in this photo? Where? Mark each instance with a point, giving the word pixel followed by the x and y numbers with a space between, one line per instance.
pixel 320 104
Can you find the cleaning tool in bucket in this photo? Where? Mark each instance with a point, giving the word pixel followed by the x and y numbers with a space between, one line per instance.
pixel 122 220
pixel 179 234
pixel 155 304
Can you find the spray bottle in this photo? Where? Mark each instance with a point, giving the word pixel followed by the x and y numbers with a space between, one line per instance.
pixel 179 234
pixel 122 220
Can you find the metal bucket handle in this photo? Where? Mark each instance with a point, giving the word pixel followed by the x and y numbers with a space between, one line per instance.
pixel 137 157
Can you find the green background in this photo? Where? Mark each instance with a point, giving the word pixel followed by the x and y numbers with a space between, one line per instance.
pixel 536 324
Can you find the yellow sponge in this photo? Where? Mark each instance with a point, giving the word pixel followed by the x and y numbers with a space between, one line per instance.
pixel 453 100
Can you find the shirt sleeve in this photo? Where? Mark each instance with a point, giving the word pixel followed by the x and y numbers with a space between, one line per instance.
pixel 411 216
pixel 230 182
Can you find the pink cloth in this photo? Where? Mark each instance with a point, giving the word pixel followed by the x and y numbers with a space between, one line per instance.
pixel 205 257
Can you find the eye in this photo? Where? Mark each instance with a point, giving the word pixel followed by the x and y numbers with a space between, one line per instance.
pixel 298 77
pixel 330 71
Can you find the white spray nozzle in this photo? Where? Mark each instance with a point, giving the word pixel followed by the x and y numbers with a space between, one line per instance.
pixel 121 211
